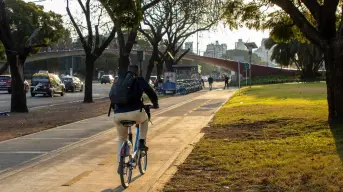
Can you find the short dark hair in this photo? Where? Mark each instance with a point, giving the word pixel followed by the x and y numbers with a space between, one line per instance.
pixel 134 68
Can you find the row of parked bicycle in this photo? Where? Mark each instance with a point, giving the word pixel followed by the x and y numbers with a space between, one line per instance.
pixel 188 86
pixel 183 87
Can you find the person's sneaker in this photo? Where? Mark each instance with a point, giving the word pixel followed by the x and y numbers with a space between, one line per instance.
pixel 142 145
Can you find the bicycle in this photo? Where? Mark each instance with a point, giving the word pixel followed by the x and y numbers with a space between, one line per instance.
pixel 130 159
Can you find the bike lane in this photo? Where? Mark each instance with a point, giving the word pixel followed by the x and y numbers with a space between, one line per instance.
pixel 90 165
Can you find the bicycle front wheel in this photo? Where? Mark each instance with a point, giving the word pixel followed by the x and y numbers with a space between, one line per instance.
pixel 125 170
pixel 142 161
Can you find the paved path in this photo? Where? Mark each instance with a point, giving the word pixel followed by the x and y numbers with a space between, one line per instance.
pixel 81 156
pixel 99 91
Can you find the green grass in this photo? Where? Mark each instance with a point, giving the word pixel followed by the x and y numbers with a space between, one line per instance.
pixel 270 138
pixel 276 79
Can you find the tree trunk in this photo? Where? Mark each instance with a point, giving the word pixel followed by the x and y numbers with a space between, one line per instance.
pixel 4 68
pixel 88 97
pixel 334 82
pixel 308 74
pixel 159 69
pixel 154 59
pixel 125 51
pixel 18 97
pixel 124 62
pixel 169 64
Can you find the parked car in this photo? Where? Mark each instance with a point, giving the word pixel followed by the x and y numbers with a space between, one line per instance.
pixel 46 83
pixel 72 83
pixel 107 79
pixel 6 84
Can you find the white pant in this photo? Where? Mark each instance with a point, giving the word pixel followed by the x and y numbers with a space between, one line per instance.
pixel 139 116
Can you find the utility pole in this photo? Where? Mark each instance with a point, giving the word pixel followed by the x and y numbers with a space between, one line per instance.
pixel 197 41
pixel 267 59
pixel 141 57
pixel 250 47
pixel 250 52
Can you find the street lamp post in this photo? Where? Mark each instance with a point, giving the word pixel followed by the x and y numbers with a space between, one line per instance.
pixel 250 47
pixel 267 58
pixel 141 57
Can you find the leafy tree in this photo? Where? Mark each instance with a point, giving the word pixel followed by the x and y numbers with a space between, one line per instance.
pixel 126 15
pixel 155 19
pixel 24 28
pixel 187 17
pixel 91 43
pixel 307 57
pixel 206 68
pixel 2 52
pixel 65 42
pixel 143 43
pixel 322 25
pixel 233 53
pixel 317 21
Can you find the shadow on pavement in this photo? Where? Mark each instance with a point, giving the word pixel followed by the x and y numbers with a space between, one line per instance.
pixel 120 188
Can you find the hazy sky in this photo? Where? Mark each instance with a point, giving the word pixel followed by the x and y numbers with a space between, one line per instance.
pixel 220 33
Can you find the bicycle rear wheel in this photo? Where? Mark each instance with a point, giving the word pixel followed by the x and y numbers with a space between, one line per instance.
pixel 142 161
pixel 125 170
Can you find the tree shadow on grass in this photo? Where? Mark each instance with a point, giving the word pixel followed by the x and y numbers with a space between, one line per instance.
pixel 337 132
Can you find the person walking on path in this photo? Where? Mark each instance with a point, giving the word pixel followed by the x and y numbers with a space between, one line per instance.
pixel 202 82
pixel 226 82
pixel 210 82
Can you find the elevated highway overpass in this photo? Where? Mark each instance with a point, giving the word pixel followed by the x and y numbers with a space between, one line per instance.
pixel 257 70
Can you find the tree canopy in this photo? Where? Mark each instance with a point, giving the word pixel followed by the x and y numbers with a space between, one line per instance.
pixel 317 21
pixel 185 18
pixel 24 28
pixel 233 53
pixel 25 17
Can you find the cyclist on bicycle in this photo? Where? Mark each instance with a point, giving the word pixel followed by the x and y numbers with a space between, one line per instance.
pixel 133 111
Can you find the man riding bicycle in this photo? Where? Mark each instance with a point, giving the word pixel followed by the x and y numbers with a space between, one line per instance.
pixel 133 110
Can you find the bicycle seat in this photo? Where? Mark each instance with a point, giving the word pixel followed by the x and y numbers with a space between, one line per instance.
pixel 127 123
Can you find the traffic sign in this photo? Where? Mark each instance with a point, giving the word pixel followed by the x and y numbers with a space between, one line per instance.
pixel 246 65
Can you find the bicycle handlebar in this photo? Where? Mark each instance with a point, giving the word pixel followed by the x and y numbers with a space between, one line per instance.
pixel 147 109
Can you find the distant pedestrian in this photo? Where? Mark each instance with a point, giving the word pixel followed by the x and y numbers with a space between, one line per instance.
pixel 226 79
pixel 210 82
pixel 202 82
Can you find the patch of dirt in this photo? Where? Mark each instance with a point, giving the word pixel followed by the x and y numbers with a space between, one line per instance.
pixel 19 124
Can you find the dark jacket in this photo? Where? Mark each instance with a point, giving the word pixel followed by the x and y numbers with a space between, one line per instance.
pixel 210 80
pixel 227 79
pixel 140 86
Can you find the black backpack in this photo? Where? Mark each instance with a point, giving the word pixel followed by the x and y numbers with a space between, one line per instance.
pixel 122 91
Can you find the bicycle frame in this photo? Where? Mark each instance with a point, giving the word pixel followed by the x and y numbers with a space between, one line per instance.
pixel 135 149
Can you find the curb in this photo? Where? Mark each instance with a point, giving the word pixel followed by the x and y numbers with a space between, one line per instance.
pixel 165 177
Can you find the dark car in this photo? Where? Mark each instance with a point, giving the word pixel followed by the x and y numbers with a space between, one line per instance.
pixel 6 84
pixel 72 83
pixel 47 84
pixel 107 79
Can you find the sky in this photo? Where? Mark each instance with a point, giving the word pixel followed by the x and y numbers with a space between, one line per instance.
pixel 219 33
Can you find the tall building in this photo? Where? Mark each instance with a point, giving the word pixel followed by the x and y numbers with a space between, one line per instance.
pixel 264 53
pixel 215 50
pixel 189 45
pixel 240 45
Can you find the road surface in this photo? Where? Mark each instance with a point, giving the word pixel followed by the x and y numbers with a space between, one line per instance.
pixel 99 91
pixel 82 156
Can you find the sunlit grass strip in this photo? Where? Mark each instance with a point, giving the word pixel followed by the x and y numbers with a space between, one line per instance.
pixel 271 138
